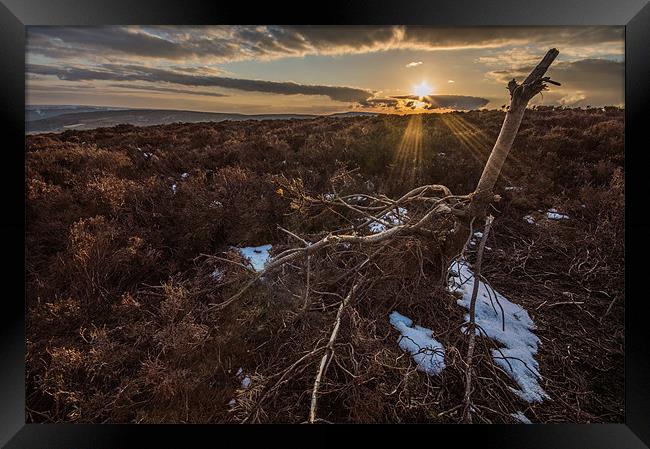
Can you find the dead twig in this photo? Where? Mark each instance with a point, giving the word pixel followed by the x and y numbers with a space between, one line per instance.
pixel 467 417
pixel 329 352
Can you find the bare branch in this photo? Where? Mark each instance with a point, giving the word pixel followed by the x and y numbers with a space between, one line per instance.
pixel 329 353
pixel 467 416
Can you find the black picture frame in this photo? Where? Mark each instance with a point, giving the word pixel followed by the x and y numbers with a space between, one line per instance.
pixel 15 15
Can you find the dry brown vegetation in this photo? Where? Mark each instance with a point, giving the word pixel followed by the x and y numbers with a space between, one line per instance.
pixel 119 288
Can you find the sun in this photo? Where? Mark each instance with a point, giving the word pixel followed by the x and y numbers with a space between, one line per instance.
pixel 422 89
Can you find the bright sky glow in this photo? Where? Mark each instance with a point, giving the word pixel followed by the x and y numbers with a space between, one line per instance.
pixel 316 69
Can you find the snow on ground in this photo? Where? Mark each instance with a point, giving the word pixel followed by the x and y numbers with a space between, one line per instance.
pixel 529 219
pixel 507 323
pixel 428 353
pixel 215 204
pixel 257 255
pixel 144 153
pixel 394 217
pixel 355 199
pixel 184 175
pixel 246 382
pixel 553 214
pixel 217 274
pixel 519 416
pixel 174 188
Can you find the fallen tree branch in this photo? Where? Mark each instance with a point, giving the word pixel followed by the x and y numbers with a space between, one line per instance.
pixel 467 416
pixel 329 353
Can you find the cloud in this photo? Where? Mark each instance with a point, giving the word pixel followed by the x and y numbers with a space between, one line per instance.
pixel 230 43
pixel 589 72
pixel 66 42
pixel 586 81
pixel 113 72
pixel 380 103
pixel 167 89
pixel 431 102
pixel 573 99
pixel 413 64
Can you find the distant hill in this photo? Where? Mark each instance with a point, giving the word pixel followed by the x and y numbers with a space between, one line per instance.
pixel 37 112
pixel 39 119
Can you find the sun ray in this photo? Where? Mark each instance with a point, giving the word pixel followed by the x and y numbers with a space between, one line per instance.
pixel 407 161
pixel 475 140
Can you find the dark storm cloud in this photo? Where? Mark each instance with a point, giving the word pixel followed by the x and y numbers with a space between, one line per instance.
pixel 583 74
pixel 587 81
pixel 112 72
pixel 247 42
pixel 115 39
pixel 460 102
pixel 379 103
pixel 167 89
pixel 344 37
pixel 476 37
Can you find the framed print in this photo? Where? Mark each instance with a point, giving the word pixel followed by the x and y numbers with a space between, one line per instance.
pixel 368 213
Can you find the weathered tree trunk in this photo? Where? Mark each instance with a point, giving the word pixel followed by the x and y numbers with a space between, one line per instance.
pixel 483 196
pixel 520 95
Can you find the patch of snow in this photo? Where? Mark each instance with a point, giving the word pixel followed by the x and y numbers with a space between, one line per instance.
pixel 232 403
pixel 329 196
pixel 174 188
pixel 553 214
pixel 529 219
pixel 145 154
pixel 519 416
pixel 356 199
pixel 507 323
pixel 217 274
pixel 246 382
pixel 215 204
pixel 428 353
pixel 184 175
pixel 509 188
pixel 257 255
pixel 393 217
pixel 478 234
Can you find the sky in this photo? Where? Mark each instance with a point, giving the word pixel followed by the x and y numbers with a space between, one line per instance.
pixel 317 69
